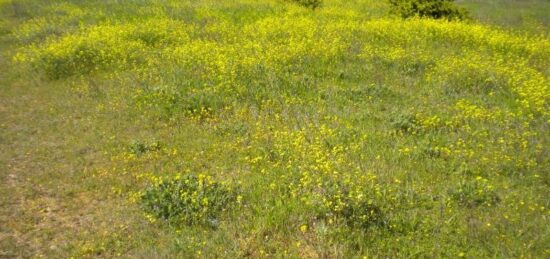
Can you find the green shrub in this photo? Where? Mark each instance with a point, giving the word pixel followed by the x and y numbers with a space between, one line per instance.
pixel 188 199
pixel 313 4
pixel 139 148
pixel 437 9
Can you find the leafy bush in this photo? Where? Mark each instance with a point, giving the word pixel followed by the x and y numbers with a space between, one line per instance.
pixel 313 4
pixel 188 199
pixel 438 9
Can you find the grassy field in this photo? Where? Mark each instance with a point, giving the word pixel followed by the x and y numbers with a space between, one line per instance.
pixel 260 128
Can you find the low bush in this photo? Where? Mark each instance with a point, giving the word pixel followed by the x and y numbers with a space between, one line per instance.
pixel 437 9
pixel 313 4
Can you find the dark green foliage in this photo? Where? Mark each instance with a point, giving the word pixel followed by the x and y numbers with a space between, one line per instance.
pixel 404 122
pixel 437 9
pixel 361 214
pixel 313 4
pixel 138 147
pixel 188 200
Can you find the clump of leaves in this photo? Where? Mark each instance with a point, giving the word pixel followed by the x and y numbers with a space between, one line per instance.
pixel 475 192
pixel 313 4
pixel 356 208
pixel 361 214
pixel 139 148
pixel 437 9
pixel 405 122
pixel 188 199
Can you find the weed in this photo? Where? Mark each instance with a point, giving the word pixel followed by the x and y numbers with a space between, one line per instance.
pixel 139 148
pixel 405 122
pixel 188 199
pixel 357 211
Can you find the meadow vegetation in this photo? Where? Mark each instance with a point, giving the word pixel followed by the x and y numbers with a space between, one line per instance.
pixel 274 128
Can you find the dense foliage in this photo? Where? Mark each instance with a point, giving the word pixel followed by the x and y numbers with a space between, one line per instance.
pixel 437 9
pixel 313 4
pixel 187 199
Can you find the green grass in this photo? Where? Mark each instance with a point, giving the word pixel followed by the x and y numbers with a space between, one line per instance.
pixel 339 131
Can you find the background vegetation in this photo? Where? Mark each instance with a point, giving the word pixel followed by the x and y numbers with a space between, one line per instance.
pixel 249 128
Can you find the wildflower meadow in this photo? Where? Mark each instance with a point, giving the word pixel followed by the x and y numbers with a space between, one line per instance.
pixel 275 128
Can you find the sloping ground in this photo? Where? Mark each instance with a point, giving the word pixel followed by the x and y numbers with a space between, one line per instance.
pixel 341 131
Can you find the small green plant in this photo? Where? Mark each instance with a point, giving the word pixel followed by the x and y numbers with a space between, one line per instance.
pixel 437 9
pixel 313 4
pixel 188 199
pixel 404 122
pixel 139 148
pixel 361 214
pixel 356 208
